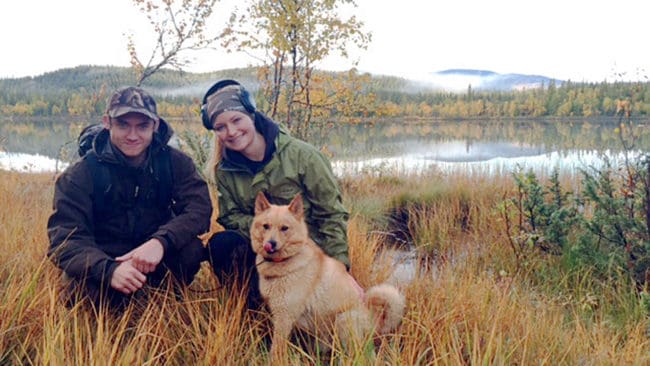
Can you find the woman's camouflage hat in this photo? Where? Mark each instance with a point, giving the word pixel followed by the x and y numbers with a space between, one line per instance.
pixel 225 99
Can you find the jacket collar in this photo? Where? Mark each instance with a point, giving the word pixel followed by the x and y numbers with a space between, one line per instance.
pixel 105 150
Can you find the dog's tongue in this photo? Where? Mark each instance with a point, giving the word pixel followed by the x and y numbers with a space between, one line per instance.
pixel 268 247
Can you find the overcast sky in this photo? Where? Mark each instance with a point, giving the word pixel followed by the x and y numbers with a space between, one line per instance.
pixel 580 40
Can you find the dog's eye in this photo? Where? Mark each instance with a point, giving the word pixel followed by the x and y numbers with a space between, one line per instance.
pixel 266 226
pixel 284 228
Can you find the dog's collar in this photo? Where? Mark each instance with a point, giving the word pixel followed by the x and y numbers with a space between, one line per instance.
pixel 275 260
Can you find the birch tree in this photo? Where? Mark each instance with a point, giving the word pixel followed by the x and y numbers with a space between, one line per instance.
pixel 291 38
pixel 180 26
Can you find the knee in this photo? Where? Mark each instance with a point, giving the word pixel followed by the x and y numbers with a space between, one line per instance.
pixel 230 253
pixel 186 262
pixel 228 246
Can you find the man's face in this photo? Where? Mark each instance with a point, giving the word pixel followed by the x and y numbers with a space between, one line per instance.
pixel 131 134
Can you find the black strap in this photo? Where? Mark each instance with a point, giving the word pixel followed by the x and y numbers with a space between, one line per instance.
pixel 162 167
pixel 103 183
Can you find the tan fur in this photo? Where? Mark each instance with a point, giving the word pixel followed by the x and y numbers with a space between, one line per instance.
pixel 307 289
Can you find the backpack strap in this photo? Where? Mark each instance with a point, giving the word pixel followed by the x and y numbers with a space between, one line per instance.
pixel 102 183
pixel 162 167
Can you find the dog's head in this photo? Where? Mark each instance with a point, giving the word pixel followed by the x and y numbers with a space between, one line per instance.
pixel 278 232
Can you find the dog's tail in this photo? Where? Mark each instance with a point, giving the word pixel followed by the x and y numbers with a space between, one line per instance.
pixel 387 305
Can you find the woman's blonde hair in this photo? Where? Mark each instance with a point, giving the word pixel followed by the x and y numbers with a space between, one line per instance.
pixel 210 174
pixel 210 170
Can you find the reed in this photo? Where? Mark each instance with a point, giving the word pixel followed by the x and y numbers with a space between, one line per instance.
pixel 464 307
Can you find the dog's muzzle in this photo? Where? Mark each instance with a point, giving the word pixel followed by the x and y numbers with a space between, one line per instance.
pixel 270 246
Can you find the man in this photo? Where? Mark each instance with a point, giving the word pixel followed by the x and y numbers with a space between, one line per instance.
pixel 130 211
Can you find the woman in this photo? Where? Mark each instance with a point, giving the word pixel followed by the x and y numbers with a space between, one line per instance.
pixel 253 154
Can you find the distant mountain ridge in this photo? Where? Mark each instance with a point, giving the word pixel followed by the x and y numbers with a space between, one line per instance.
pixel 171 83
pixel 461 79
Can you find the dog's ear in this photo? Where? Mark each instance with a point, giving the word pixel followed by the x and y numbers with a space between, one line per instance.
pixel 261 203
pixel 296 206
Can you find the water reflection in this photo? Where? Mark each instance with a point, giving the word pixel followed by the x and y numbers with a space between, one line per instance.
pixel 401 148
pixel 569 162
pixel 465 151
pixel 30 163
pixel 46 137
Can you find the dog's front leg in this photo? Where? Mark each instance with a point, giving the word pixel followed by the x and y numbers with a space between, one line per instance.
pixel 282 325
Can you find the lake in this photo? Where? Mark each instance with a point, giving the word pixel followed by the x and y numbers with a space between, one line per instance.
pixel 405 147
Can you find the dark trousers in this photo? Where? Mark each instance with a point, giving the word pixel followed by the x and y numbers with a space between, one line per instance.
pixel 182 264
pixel 233 260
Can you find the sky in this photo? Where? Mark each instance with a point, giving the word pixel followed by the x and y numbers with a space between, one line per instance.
pixel 580 40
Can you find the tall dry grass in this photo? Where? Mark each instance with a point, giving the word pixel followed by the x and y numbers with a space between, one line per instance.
pixel 466 307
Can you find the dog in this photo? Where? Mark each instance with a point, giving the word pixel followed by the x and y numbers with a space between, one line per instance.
pixel 306 289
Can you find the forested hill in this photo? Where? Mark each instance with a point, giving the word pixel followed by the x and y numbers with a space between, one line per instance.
pixel 83 90
pixel 92 79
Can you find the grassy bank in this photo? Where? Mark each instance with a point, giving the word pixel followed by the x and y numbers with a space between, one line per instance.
pixel 467 305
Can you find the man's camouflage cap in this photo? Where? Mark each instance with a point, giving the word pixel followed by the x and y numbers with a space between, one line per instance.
pixel 132 99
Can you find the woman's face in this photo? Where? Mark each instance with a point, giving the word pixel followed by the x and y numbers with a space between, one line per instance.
pixel 235 130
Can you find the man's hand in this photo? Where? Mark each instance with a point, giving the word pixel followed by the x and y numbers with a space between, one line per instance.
pixel 146 257
pixel 126 279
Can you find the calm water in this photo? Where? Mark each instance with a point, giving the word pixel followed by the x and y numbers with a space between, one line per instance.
pixel 480 146
pixel 409 147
